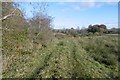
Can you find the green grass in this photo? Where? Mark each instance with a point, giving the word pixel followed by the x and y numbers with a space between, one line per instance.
pixel 84 57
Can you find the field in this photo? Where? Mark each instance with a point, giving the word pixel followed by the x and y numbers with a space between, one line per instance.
pixel 66 57
pixel 42 40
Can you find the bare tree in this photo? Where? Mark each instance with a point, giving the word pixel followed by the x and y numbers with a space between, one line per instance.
pixel 40 30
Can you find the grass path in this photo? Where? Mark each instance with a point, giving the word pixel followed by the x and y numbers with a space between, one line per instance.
pixel 56 64
pixel 68 60
pixel 65 58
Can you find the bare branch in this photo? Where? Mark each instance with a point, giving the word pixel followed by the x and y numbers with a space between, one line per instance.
pixel 12 13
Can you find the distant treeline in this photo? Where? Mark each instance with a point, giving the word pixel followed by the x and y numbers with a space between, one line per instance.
pixel 91 30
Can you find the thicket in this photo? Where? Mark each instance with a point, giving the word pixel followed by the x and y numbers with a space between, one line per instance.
pixel 22 36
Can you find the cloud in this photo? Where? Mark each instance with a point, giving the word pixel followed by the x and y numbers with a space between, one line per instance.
pixel 61 3
pixel 76 7
pixel 112 25
pixel 86 4
pixel 112 1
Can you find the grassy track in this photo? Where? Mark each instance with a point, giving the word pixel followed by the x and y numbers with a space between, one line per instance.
pixel 65 58
pixel 69 60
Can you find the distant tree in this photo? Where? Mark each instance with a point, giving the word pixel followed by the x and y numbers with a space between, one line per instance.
pixel 97 28
pixel 118 30
pixel 114 31
pixel 78 30
pixel 92 29
pixel 103 26
pixel 83 31
pixel 73 32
